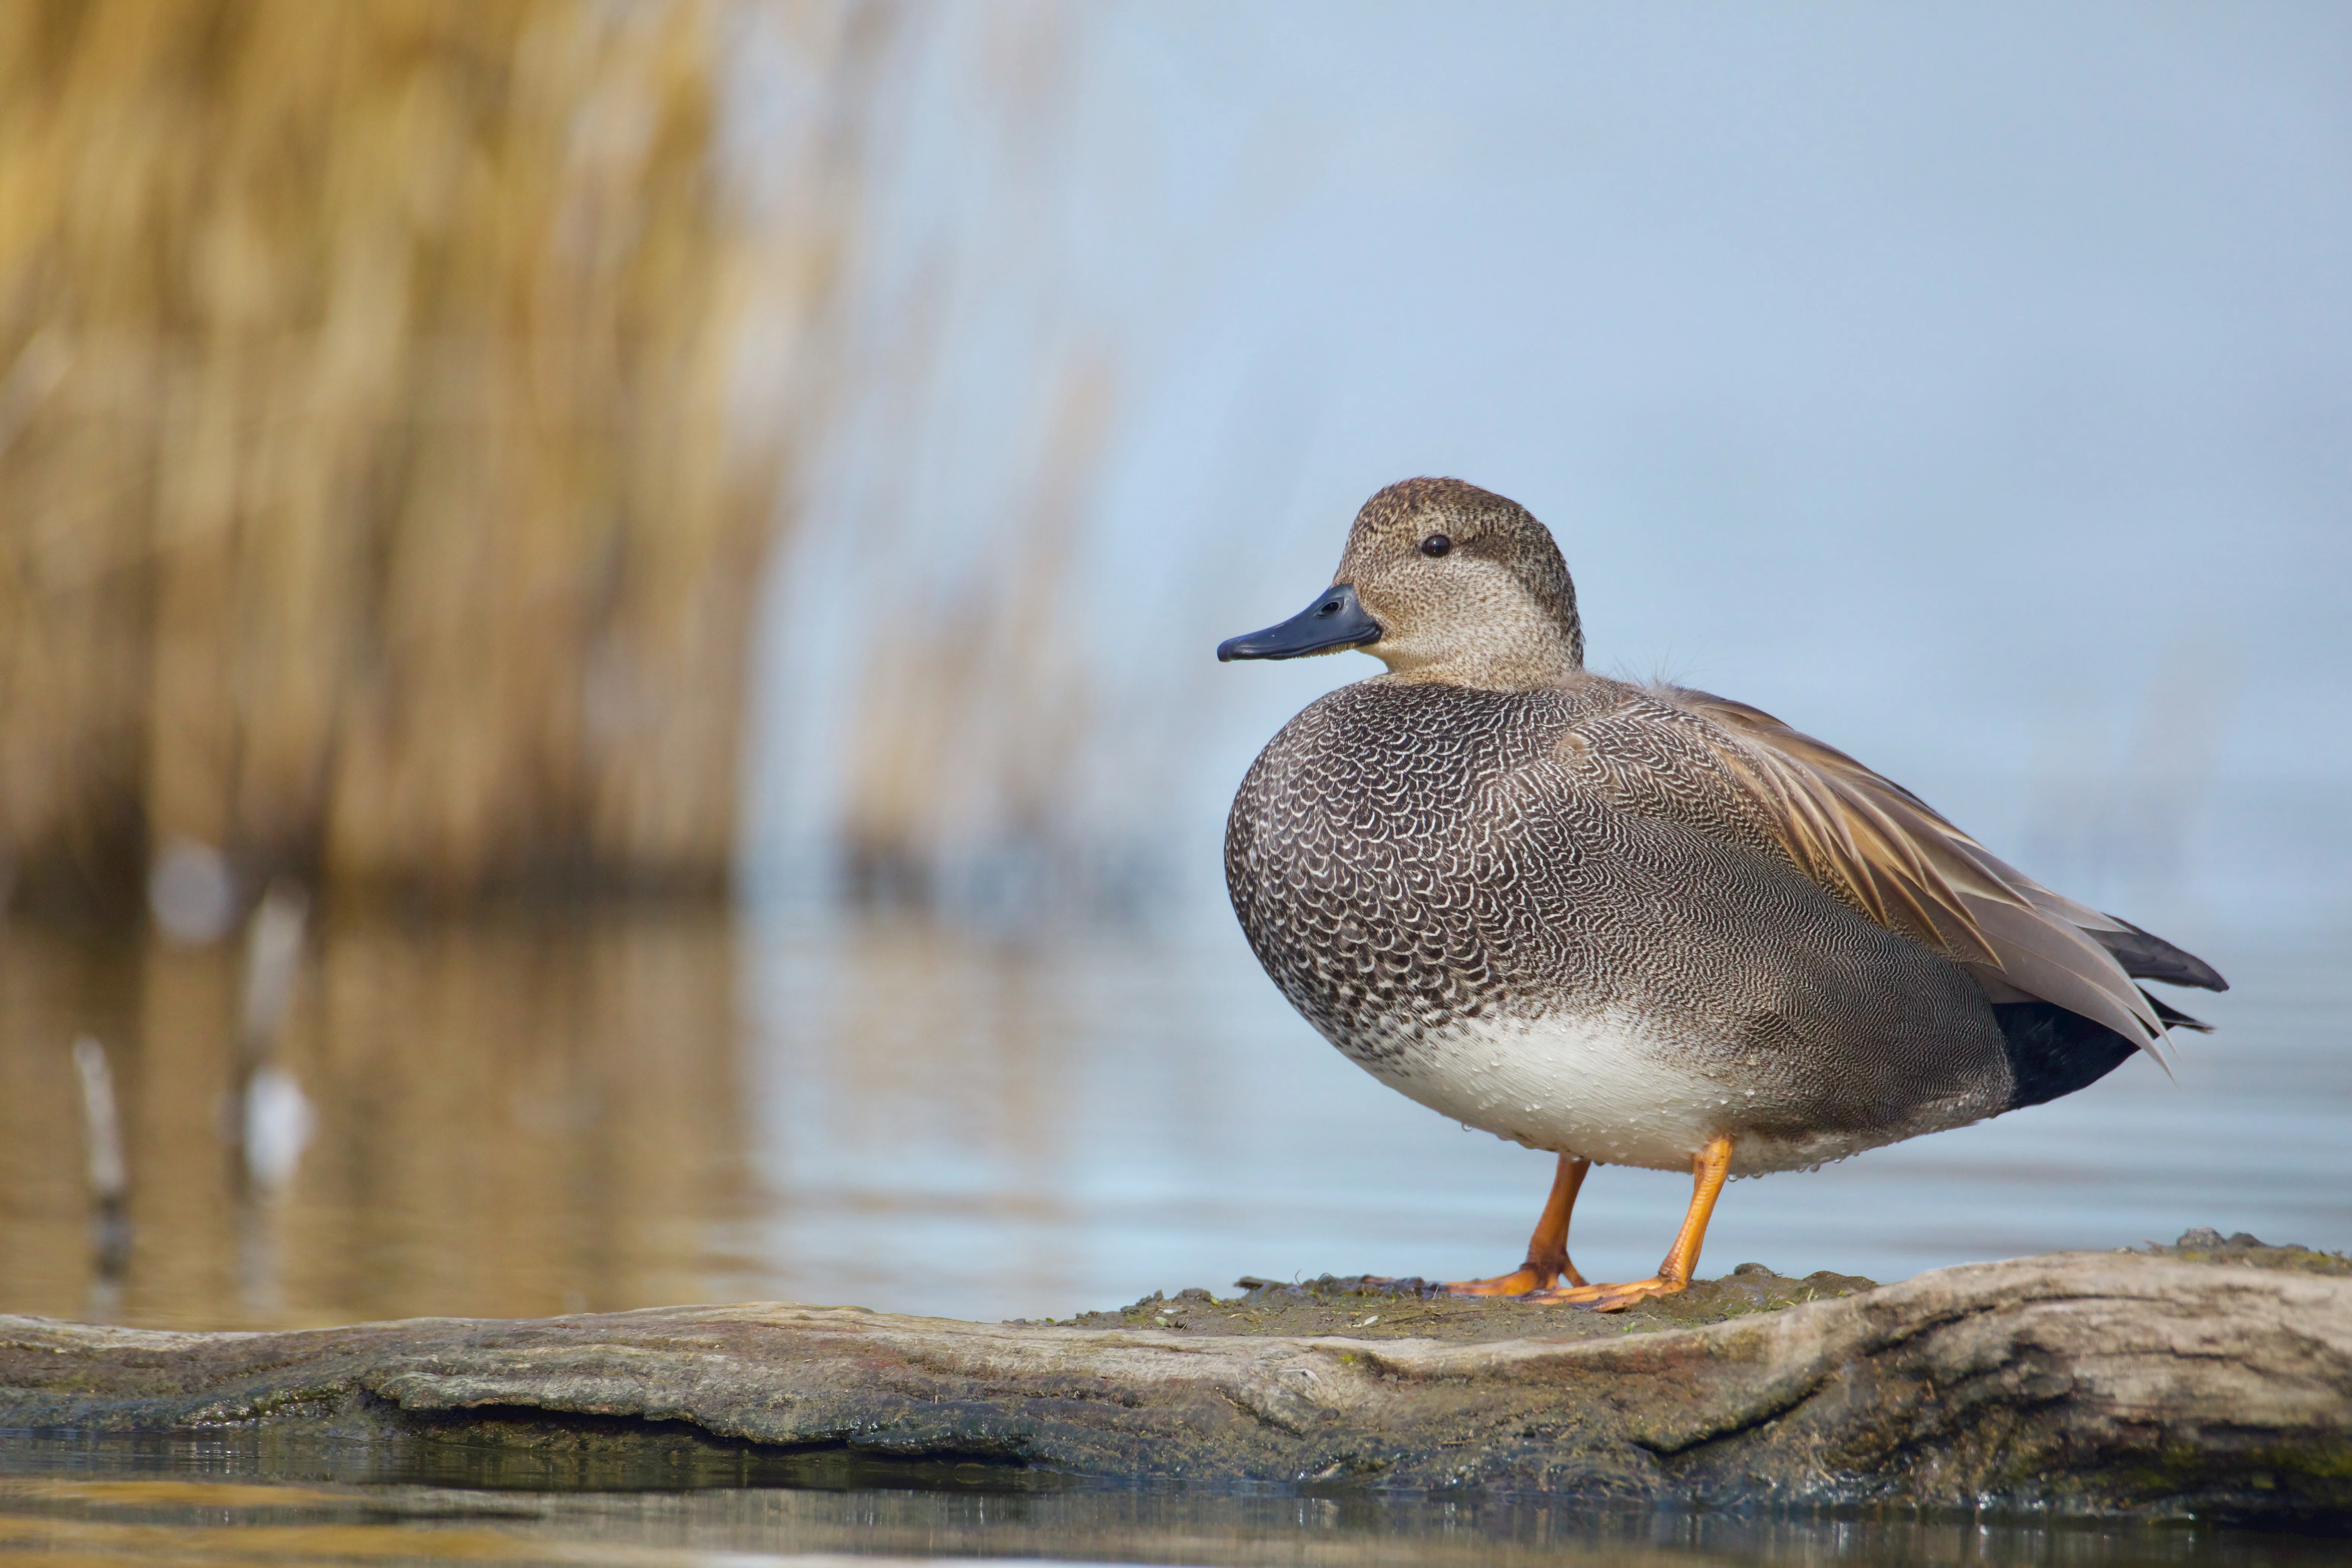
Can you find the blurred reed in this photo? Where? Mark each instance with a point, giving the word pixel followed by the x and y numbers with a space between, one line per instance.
pixel 966 737
pixel 377 496
pixel 963 767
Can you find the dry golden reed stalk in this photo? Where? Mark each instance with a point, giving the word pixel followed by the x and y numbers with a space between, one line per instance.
pixel 374 498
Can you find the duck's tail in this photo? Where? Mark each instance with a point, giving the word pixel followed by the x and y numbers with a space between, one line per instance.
pixel 2146 957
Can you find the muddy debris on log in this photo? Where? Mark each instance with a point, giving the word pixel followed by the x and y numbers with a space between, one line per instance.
pixel 1368 1307
pixel 1371 1307
pixel 2206 1244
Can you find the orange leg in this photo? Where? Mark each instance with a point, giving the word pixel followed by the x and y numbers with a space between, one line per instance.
pixel 1708 1169
pixel 1547 1248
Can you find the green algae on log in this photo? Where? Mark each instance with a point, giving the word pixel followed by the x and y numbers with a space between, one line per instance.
pixel 2173 1381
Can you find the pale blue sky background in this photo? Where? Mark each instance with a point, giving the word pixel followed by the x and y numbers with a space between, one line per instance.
pixel 1969 385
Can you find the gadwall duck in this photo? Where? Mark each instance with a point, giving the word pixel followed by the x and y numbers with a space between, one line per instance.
pixel 1636 925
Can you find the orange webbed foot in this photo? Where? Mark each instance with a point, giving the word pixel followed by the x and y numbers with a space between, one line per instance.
pixel 1710 1167
pixel 1547 1248
pixel 1527 1279
pixel 1609 1298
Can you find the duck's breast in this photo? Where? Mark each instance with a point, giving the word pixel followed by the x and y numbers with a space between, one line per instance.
pixel 1352 851
pixel 1453 909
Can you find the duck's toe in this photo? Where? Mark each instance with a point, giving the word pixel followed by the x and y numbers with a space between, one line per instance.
pixel 1608 1297
pixel 1519 1282
pixel 1528 1279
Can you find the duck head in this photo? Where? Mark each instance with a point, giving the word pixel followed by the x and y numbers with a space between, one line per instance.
pixel 1441 582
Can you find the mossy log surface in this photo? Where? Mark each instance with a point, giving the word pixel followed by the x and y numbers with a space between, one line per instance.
pixel 2085 1382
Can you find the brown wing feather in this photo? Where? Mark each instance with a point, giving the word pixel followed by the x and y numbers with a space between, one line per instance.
pixel 1896 858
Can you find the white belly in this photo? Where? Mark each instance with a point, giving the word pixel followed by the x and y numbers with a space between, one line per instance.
pixel 1599 1086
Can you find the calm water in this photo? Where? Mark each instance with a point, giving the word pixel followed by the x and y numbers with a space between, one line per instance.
pixel 247 1498
pixel 517 1120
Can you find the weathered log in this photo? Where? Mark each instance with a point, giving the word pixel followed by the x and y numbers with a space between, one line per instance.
pixel 2082 1381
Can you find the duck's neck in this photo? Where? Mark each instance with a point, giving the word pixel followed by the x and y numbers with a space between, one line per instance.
pixel 1530 657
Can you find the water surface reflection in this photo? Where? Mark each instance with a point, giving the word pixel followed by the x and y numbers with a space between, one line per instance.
pixel 496 1120
pixel 206 1502
pixel 518 1119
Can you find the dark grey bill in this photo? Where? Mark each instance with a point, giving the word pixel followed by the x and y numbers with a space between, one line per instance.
pixel 1335 620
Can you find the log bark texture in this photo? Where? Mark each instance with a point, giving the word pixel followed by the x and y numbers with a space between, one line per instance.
pixel 2082 1382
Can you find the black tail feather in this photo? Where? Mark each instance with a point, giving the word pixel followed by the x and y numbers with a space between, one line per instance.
pixel 2052 1051
pixel 2174 1018
pixel 2146 957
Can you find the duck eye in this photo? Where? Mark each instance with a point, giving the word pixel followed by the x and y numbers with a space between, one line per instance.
pixel 1436 545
